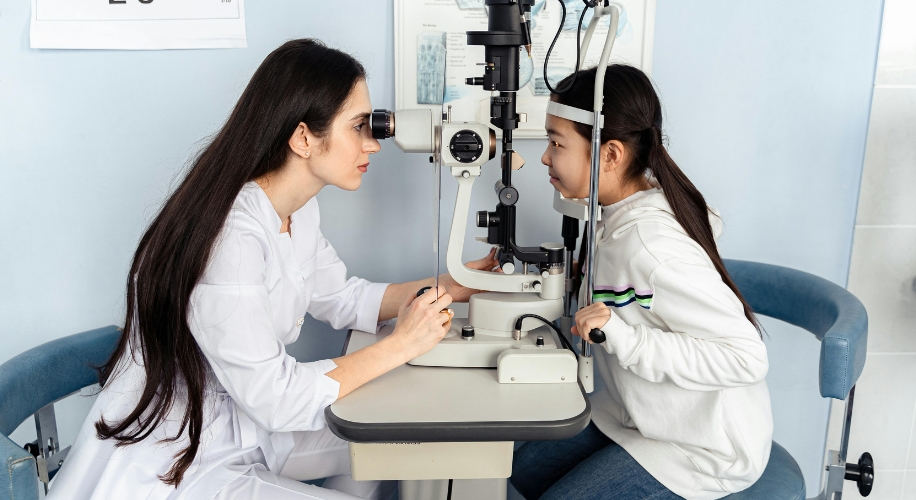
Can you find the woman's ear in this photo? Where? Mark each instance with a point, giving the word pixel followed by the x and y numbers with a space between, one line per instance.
pixel 613 155
pixel 302 141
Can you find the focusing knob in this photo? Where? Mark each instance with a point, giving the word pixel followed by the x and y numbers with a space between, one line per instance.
pixel 467 332
pixel 487 219
pixel 466 146
pixel 539 342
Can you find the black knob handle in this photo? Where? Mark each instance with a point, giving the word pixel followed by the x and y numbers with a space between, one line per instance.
pixel 597 336
pixel 862 473
pixel 423 290
pixel 539 342
pixel 467 332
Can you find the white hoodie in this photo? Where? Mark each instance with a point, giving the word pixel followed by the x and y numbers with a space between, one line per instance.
pixel 683 368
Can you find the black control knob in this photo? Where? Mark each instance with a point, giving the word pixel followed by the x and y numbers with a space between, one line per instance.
pixel 863 473
pixel 508 196
pixel 487 219
pixel 466 146
pixel 597 336
pixel 423 290
pixel 539 342
pixel 467 332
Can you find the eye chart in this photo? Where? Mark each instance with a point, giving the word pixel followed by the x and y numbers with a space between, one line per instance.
pixel 137 24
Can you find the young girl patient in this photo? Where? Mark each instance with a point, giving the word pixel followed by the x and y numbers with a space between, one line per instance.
pixel 684 409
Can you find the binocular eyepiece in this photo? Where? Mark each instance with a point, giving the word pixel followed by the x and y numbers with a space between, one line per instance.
pixel 381 122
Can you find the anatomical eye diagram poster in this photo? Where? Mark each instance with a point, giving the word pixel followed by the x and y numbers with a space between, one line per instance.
pixel 433 59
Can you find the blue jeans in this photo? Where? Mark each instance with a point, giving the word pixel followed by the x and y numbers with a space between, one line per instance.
pixel 588 466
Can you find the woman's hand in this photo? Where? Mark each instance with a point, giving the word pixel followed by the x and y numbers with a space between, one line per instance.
pixel 594 316
pixel 423 322
pixel 462 293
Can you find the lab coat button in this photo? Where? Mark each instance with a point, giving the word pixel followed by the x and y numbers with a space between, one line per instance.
pixel 300 321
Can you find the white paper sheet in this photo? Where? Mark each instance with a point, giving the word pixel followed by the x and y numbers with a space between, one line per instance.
pixel 430 38
pixel 138 25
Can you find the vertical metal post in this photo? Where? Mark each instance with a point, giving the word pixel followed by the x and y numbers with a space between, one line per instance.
pixel 847 423
pixel 48 442
pixel 593 208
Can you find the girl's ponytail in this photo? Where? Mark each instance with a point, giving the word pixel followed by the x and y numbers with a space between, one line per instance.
pixel 633 116
pixel 690 208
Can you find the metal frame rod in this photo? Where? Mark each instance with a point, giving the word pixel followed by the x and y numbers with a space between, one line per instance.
pixel 595 166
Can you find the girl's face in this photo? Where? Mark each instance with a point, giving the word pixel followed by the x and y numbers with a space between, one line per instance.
pixel 342 156
pixel 567 158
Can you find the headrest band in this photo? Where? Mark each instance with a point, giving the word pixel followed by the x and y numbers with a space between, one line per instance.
pixel 574 114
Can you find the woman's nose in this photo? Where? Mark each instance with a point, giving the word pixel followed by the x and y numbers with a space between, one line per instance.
pixel 373 146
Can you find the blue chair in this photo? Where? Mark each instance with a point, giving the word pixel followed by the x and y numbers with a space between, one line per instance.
pixel 833 315
pixel 30 383
pixel 838 319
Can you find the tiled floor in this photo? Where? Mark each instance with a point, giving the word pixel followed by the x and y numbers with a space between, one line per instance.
pixel 883 268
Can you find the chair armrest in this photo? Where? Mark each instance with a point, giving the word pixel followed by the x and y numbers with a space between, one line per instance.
pixel 20 477
pixel 843 350
pixel 833 314
pixel 51 371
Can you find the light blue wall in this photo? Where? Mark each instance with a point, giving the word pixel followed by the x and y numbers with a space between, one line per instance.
pixel 766 106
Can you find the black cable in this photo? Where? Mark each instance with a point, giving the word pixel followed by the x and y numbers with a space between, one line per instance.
pixel 449 497
pixel 566 344
pixel 526 25
pixel 578 48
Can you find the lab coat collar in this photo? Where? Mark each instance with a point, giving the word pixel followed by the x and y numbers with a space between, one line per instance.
pixel 254 199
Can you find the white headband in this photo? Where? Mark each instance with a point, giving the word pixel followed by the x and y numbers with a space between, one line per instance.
pixel 574 114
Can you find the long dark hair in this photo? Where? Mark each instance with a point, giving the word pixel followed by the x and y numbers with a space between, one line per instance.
pixel 633 116
pixel 302 81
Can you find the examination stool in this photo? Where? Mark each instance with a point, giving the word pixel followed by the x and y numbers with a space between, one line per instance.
pixel 838 319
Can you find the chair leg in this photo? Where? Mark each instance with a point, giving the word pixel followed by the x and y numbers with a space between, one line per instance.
pixel 46 448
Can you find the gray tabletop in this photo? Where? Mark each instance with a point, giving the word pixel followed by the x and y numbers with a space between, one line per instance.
pixel 437 404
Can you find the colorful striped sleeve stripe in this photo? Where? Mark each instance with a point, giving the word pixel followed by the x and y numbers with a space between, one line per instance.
pixel 619 296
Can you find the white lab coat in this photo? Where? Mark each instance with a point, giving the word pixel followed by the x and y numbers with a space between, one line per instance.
pixel 248 305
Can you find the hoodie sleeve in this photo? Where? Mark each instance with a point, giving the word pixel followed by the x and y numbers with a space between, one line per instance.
pixel 711 345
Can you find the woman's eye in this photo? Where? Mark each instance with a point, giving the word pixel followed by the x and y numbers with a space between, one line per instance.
pixel 555 144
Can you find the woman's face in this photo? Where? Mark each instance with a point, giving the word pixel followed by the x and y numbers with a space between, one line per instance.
pixel 343 155
pixel 567 158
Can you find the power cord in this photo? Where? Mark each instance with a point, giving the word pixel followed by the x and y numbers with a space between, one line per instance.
pixel 566 344
pixel 578 46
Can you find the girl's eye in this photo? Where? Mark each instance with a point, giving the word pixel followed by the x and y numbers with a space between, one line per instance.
pixel 555 144
pixel 360 126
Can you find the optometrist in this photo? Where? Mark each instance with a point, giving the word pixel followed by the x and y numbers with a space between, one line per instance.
pixel 200 399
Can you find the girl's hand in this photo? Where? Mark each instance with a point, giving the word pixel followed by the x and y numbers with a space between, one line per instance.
pixel 423 322
pixel 594 316
pixel 461 293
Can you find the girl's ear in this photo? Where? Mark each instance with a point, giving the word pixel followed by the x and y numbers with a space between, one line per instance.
pixel 613 155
